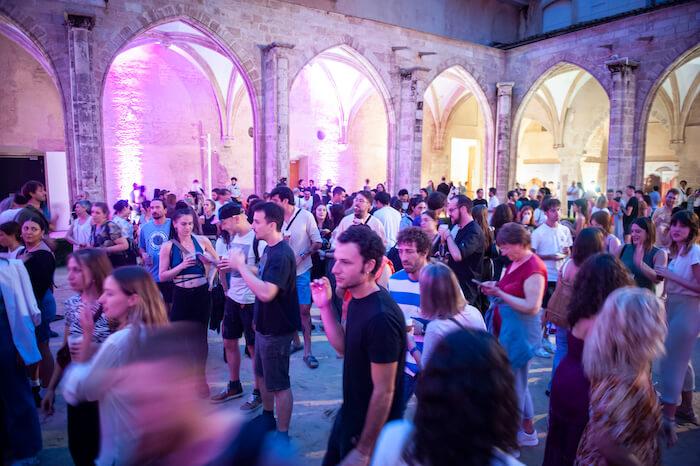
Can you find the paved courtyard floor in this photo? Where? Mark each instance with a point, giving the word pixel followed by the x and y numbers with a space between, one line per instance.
pixel 317 393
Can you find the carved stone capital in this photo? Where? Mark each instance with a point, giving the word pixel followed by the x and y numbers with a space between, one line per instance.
pixel 77 21
pixel 621 65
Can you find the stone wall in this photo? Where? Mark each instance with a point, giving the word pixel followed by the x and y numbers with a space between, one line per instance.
pixel 402 63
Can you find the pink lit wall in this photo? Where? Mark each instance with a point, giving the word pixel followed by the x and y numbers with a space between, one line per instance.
pixel 158 109
pixel 313 113
pixel 31 115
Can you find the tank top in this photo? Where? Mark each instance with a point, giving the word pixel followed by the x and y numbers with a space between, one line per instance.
pixel 627 258
pixel 209 229
pixel 194 271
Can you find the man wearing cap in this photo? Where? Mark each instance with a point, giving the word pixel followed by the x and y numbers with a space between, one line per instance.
pixel 237 234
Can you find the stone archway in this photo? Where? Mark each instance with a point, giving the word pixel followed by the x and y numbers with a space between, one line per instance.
pixel 177 106
pixel 672 125
pixel 564 115
pixel 339 121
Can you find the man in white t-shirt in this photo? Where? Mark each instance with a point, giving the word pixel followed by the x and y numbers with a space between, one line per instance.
pixel 552 242
pixel 493 202
pixel 360 216
pixel 235 189
pixel 237 233
pixel 390 217
pixel 301 232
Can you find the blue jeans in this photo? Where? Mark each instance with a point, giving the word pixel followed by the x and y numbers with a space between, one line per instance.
pixel 19 413
pixel 562 348
pixel 409 387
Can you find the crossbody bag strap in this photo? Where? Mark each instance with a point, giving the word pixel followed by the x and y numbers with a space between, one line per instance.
pixel 458 323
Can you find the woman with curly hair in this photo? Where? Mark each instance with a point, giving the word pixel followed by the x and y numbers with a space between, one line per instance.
pixel 599 275
pixel 625 417
pixel 467 410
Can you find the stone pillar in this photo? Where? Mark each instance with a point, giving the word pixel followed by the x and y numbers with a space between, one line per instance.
pixel 407 160
pixel 504 120
pixel 622 161
pixel 88 176
pixel 275 116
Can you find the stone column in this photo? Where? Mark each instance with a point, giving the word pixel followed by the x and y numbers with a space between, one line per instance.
pixel 504 119
pixel 275 116
pixel 407 161
pixel 88 164
pixel 622 161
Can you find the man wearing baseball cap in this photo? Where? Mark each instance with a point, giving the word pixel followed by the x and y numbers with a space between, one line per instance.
pixel 237 233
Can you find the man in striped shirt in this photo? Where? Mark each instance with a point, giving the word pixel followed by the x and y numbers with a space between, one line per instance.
pixel 414 246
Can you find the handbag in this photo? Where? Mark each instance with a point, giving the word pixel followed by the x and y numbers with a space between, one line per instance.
pixel 558 306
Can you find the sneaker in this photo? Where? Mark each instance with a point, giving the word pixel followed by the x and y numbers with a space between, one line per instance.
pixel 527 440
pixel 542 353
pixel 253 404
pixel 232 391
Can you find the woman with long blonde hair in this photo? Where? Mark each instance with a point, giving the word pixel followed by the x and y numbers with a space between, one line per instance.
pixel 625 416
pixel 132 302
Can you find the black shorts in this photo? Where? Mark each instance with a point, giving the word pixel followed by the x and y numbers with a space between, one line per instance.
pixel 166 291
pixel 548 292
pixel 272 360
pixel 238 321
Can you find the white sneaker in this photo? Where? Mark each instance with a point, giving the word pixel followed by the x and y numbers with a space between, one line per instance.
pixel 527 440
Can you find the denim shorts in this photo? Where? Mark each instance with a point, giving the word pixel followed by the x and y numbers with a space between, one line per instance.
pixel 272 360
pixel 304 287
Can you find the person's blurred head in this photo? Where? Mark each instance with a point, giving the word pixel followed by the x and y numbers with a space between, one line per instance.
pixel 362 203
pixel 492 192
pixel 99 213
pixel 479 193
pixel 10 235
pixel 441 295
pixel 122 209
pixel 598 276
pixel 683 232
pixel 182 224
pixel 627 336
pixel 283 197
pixel 552 209
pixel 34 190
pixel 380 188
pixel 429 222
pixel 671 198
pixel 413 246
pixel 459 209
pixel 403 195
pixel 131 296
pixel 629 190
pixel 467 406
pixel 423 193
pixel 320 213
pixel 602 220
pixel 588 242
pixel 381 199
pixel 526 216
pixel 338 195
pixel 268 218
pixel 232 219
pixel 358 256
pixel 643 232
pixel 436 201
pixel 82 208
pixel 601 202
pixel 157 209
pixel 513 240
pixel 33 230
pixel 88 269
pixel 502 214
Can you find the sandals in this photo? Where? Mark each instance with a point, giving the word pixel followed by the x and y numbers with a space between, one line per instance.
pixel 311 361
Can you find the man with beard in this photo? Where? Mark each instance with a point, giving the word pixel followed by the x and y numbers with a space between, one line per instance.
pixel 152 235
pixel 413 245
pixel 373 345
pixel 361 216
pixel 466 248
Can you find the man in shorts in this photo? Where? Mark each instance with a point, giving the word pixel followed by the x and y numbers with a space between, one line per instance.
pixel 237 234
pixel 276 314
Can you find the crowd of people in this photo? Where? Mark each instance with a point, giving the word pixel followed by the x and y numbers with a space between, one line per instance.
pixel 434 295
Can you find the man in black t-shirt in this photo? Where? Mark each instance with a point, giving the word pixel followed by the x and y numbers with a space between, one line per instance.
pixel 466 248
pixel 631 211
pixel 373 344
pixel 276 313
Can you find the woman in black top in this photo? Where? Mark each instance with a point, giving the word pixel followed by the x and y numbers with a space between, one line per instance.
pixel 325 227
pixel 209 228
pixel 107 236
pixel 40 264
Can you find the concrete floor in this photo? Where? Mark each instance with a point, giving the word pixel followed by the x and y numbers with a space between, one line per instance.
pixel 318 392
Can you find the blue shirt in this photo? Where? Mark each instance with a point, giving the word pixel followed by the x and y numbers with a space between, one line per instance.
pixel 151 238
pixel 406 293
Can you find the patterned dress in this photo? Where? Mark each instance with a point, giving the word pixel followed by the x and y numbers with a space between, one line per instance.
pixel 628 412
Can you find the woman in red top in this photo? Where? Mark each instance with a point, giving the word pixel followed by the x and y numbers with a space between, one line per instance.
pixel 518 297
